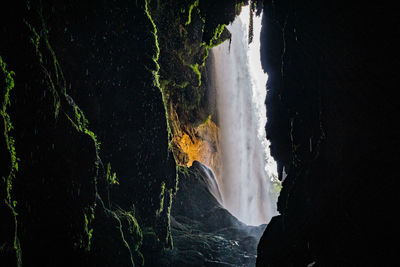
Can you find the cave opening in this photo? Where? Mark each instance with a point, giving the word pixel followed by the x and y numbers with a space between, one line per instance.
pixel 230 191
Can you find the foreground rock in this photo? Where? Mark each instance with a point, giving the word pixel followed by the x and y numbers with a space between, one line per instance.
pixel 206 234
pixel 332 122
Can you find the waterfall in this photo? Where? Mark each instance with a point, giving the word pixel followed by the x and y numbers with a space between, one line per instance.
pixel 247 167
pixel 209 179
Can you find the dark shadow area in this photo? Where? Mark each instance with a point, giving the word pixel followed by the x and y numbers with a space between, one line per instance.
pixel 332 122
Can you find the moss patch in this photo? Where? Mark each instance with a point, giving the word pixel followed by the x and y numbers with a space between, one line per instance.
pixel 195 4
pixel 10 143
pixel 155 72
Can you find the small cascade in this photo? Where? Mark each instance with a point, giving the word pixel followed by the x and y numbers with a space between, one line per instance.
pixel 210 180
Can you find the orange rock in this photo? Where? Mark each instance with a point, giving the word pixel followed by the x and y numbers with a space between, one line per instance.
pixel 200 144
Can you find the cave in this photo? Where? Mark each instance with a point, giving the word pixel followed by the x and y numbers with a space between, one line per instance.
pixel 198 133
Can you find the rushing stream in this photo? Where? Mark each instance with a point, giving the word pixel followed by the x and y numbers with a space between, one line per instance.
pixel 247 167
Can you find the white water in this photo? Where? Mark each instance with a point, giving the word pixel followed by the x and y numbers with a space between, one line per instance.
pixel 210 181
pixel 247 167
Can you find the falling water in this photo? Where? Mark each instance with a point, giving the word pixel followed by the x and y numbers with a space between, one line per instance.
pixel 247 167
pixel 208 177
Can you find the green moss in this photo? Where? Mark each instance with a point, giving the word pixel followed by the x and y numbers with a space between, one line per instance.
pixel 215 41
pixel 81 124
pixel 195 4
pixel 86 241
pixel 88 231
pixel 35 40
pixel 217 34
pixel 195 68
pixel 168 239
pixel 206 53
pixel 162 197
pixel 111 177
pixel 182 170
pixel 131 230
pixel 182 85
pixel 207 119
pixel 255 5
pixel 165 83
pixel 57 85
pixel 164 217
pixel 10 143
pixel 155 72
pixel 238 7
pixel 156 55
pixel 58 82
pixel 134 228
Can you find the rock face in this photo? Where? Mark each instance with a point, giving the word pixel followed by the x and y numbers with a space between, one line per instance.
pixel 205 234
pixel 332 124
pixel 201 144
pixel 87 93
pixel 79 115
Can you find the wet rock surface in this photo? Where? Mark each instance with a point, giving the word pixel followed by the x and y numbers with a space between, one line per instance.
pixel 206 234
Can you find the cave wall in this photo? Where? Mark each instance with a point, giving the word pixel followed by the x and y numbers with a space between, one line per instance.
pixel 87 92
pixel 79 115
pixel 332 125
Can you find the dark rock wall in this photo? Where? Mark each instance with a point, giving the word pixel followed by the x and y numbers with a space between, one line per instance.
pixel 83 100
pixel 332 122
pixel 92 178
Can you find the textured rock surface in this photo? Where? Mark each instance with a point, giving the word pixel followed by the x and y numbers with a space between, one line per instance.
pixel 205 234
pixel 70 65
pixel 332 124
pixel 93 169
